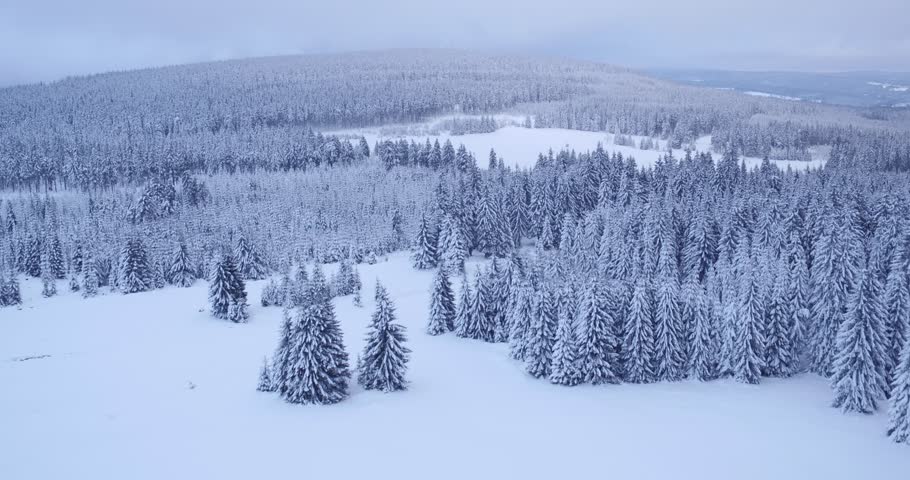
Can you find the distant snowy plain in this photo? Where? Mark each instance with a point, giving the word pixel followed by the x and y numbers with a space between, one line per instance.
pixel 150 386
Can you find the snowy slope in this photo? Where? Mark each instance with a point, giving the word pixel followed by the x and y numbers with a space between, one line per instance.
pixel 519 146
pixel 149 386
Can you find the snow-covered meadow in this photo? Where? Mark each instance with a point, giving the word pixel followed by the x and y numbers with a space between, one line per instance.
pixel 519 147
pixel 149 385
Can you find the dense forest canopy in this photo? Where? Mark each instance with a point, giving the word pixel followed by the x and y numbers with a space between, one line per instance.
pixel 94 131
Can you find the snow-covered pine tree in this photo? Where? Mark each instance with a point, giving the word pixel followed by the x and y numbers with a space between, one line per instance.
pixel 638 348
pixel 55 259
pixel 442 305
pixel 520 315
pixel 425 247
pixel 897 320
pixel 237 312
pixel 181 271
pixel 565 362
pixel 265 377
pixel 89 277
pixel 669 331
pixel 48 281
pixel 384 361
pixel 312 373
pixel 9 292
pixel 834 269
pixel 703 346
pixel 226 287
pixel 599 345
pixel 780 353
pixel 858 376
pixel 134 273
pixel 271 294
pixel 463 309
pixel 249 261
pixel 453 248
pixel 542 334
pixel 899 412
pixel 748 343
pixel 282 357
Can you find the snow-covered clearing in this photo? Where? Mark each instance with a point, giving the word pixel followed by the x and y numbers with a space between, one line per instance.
pixel 150 386
pixel 519 146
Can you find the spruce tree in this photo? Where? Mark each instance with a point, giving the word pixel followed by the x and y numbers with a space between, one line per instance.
pixel 638 339
pixel 897 322
pixel 453 248
pixel 312 372
pixel 748 352
pixel 265 377
pixel 48 281
pixel 89 277
pixel 520 315
pixel 542 335
pixel 55 259
pixel 425 254
pixel 703 343
pixel 780 354
pixel 463 309
pixel 565 369
pixel 384 361
pixel 249 262
pixel 442 305
pixel 9 292
pixel 181 271
pixel 226 288
pixel 858 370
pixel 899 413
pixel 669 332
pixel 134 273
pixel 599 346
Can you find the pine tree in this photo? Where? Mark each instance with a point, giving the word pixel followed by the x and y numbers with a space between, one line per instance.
pixel 384 361
pixel 858 370
pixel 89 278
pixel 638 341
pixel 265 377
pixel 313 370
pixel 425 254
pixel 442 305
pixel 899 413
pixel 600 346
pixel 181 272
pixel 282 357
pixel 669 332
pixel 748 343
pixel 780 354
pixel 31 262
pixel 55 259
pixel 703 343
pixel 9 292
pixel 453 248
pixel 48 281
pixel 565 368
pixel 520 315
pixel 134 273
pixel 249 262
pixel 897 324
pixel 463 309
pixel 542 335
pixel 226 288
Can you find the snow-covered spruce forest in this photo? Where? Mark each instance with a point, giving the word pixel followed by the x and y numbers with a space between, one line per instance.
pixel 589 268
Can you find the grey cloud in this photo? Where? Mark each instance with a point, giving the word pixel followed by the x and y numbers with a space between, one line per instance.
pixel 45 40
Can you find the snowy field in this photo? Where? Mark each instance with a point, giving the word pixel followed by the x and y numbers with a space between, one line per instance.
pixel 150 386
pixel 519 146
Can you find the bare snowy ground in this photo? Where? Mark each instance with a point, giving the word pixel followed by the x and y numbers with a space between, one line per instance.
pixel 519 146
pixel 150 386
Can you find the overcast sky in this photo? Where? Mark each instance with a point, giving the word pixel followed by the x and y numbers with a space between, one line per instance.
pixel 44 40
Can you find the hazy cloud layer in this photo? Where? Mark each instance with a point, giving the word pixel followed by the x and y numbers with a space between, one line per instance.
pixel 45 40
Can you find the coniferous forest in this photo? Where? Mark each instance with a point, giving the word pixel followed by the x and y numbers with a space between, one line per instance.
pixel 589 267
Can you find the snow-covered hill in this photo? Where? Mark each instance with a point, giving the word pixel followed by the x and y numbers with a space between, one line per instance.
pixel 150 386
